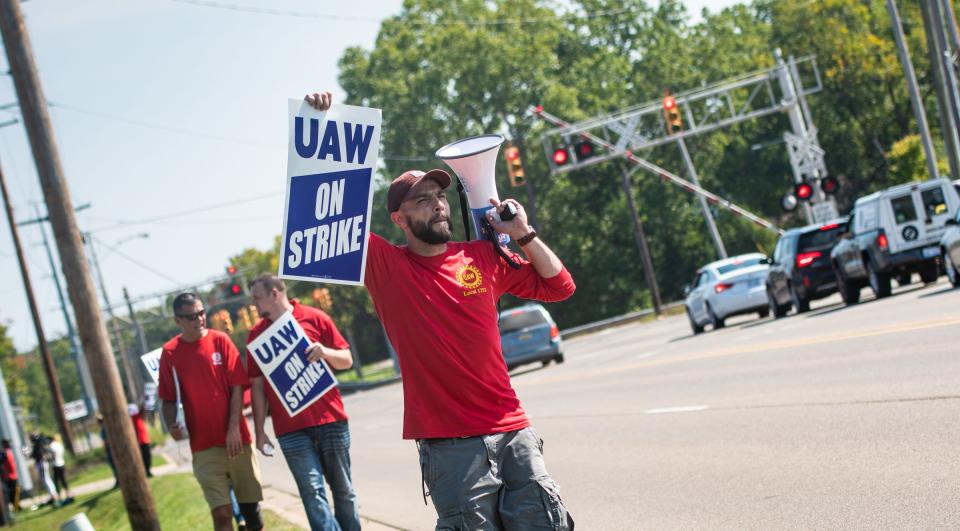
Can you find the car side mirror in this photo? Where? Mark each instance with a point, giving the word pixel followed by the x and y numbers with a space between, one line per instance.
pixel 768 261
pixel 951 221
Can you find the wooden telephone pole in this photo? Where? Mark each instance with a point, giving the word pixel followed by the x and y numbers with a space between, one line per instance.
pixel 131 474
pixel 49 368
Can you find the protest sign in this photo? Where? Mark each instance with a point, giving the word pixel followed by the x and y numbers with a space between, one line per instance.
pixel 281 353
pixel 151 360
pixel 331 160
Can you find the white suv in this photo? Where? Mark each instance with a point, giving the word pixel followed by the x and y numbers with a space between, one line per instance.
pixel 894 233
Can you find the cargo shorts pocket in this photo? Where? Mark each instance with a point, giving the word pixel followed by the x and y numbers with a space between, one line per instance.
pixel 553 508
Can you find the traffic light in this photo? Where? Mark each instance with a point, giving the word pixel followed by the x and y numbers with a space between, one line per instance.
pixel 222 321
pixel 234 285
pixel 514 166
pixel 671 114
pixel 829 185
pixel 561 156
pixel 803 191
pixel 584 149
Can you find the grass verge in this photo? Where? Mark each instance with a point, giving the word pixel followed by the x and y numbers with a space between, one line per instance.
pixel 179 502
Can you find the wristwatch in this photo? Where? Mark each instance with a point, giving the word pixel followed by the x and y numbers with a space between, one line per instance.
pixel 528 238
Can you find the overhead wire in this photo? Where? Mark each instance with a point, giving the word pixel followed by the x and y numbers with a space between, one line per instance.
pixel 135 261
pixel 348 18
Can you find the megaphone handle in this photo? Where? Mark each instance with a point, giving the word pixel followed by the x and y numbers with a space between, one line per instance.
pixel 509 212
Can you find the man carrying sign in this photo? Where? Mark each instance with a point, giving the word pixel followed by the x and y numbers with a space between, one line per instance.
pixel 211 377
pixel 437 299
pixel 316 441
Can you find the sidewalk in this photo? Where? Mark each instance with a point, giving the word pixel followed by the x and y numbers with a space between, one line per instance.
pixel 283 503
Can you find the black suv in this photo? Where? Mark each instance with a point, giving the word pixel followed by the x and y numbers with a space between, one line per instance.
pixel 800 269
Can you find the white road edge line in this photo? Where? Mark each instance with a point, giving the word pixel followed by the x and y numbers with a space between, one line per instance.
pixel 679 409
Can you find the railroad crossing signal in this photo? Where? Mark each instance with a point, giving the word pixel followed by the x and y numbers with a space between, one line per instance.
pixel 829 185
pixel 803 191
pixel 514 166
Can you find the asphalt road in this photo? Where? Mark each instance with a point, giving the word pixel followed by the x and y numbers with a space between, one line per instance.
pixel 838 418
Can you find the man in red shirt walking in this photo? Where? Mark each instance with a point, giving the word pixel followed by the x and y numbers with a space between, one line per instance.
pixel 315 442
pixel 202 369
pixel 437 299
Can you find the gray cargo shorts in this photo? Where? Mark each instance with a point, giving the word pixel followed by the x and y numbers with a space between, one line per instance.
pixel 492 482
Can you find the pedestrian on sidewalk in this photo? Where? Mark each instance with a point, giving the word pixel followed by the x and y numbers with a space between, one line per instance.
pixel 202 369
pixel 480 457
pixel 59 463
pixel 11 484
pixel 316 442
pixel 143 436
pixel 42 457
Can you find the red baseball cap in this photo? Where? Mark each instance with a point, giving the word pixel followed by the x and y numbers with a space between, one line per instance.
pixel 401 186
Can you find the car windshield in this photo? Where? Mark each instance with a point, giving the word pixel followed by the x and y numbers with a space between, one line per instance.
pixel 519 320
pixel 740 264
pixel 824 237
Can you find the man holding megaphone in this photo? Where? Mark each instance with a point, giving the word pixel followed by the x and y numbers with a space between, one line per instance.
pixel 480 457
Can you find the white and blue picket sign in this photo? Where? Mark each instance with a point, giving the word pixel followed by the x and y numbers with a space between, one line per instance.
pixel 331 160
pixel 281 353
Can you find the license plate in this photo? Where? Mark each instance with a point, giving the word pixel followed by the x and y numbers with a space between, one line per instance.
pixel 930 252
pixel 525 337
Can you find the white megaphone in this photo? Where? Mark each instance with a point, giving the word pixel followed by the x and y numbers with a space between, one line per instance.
pixel 474 161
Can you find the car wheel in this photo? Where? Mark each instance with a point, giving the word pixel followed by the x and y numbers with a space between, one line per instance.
pixel 849 291
pixel 545 362
pixel 904 279
pixel 952 274
pixel 558 358
pixel 774 308
pixel 697 329
pixel 717 322
pixel 879 282
pixel 764 313
pixel 929 274
pixel 800 304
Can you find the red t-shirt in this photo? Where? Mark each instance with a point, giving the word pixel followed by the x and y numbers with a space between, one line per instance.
pixel 206 368
pixel 9 466
pixel 440 314
pixel 328 408
pixel 140 427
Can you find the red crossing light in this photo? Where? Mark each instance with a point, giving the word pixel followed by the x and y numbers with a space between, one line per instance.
pixel 803 191
pixel 231 269
pixel 669 103
pixel 560 156
pixel 235 289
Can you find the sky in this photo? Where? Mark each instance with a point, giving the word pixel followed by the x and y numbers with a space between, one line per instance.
pixel 170 117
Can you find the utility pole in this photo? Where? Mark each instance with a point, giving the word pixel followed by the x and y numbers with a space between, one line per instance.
pixel 131 474
pixel 86 384
pixel 141 338
pixel 133 383
pixel 49 368
pixel 641 237
pixel 915 100
pixel 944 100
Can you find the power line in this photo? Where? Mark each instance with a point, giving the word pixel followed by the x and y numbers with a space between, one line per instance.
pixel 347 18
pixel 135 261
pixel 144 221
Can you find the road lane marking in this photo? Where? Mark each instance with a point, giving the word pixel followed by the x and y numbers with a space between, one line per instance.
pixel 678 409
pixel 749 349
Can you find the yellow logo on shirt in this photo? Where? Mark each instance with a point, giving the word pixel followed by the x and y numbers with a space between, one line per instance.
pixel 469 277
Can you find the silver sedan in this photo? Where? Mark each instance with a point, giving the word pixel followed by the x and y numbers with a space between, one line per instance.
pixel 726 288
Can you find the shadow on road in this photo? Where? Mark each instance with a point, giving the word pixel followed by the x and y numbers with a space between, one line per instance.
pixel 944 291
